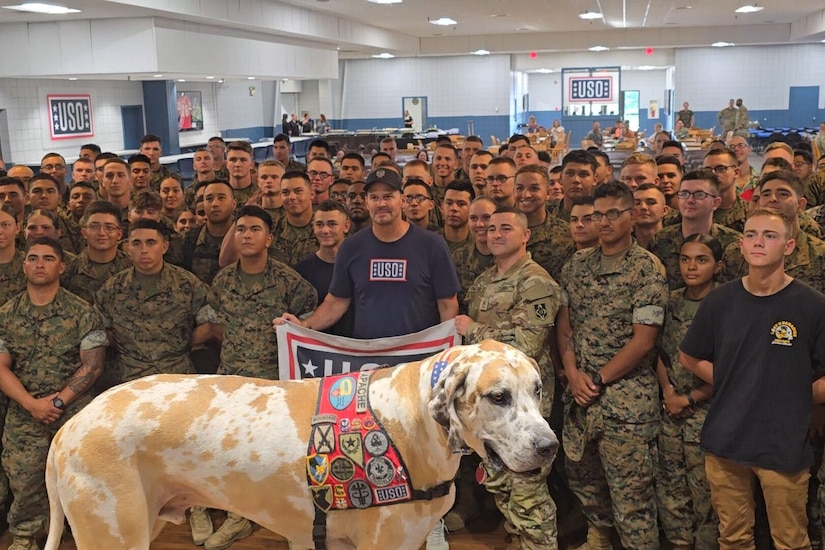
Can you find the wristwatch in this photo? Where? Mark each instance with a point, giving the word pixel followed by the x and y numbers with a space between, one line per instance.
pixel 58 403
pixel 597 379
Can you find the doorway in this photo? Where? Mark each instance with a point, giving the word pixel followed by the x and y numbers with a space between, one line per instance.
pixel 133 127
pixel 803 106
pixel 417 107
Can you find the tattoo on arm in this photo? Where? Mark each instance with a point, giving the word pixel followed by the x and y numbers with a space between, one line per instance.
pixel 92 366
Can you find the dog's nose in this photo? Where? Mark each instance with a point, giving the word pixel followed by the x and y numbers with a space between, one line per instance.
pixel 546 446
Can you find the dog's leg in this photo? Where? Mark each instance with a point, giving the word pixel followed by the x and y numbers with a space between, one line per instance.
pixel 56 515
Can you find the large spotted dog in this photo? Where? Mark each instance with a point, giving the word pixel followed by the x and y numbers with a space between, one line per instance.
pixel 142 453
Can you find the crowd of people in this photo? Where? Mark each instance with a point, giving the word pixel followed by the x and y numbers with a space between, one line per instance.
pixel 672 390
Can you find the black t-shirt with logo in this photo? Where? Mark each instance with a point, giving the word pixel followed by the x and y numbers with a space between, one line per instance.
pixel 766 351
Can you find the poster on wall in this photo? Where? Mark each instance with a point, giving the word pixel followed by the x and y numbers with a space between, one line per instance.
pixel 653 109
pixel 190 111
pixel 70 116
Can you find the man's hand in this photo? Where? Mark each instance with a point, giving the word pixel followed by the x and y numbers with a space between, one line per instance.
pixel 255 198
pixel 676 404
pixel 286 318
pixel 43 411
pixel 583 389
pixel 462 324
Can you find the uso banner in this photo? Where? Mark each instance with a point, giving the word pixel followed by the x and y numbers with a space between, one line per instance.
pixel 70 116
pixel 305 353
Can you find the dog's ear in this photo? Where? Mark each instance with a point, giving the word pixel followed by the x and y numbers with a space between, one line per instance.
pixel 448 389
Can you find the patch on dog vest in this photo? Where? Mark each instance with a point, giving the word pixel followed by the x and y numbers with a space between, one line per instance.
pixel 351 461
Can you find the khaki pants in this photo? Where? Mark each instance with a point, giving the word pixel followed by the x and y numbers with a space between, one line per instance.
pixel 786 495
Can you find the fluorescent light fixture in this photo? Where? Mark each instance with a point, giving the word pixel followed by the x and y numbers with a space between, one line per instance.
pixel 481 52
pixel 646 67
pixel 250 78
pixel 598 49
pixel 37 7
pixel 749 8
pixel 444 21
pixel 590 15
pixel 385 1
pixel 543 71
pixel 158 76
pixel 210 78
pixel 384 55
pixel 181 80
pixel 72 78
pixel 722 44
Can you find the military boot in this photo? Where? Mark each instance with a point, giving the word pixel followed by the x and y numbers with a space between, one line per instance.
pixel 23 543
pixel 598 538
pixel 234 528
pixel 201 524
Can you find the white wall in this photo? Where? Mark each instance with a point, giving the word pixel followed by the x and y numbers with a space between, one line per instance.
pixel 761 75
pixel 545 91
pixel 651 86
pixel 28 117
pixel 238 109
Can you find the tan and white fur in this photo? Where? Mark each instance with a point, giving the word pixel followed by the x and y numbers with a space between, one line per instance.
pixel 142 453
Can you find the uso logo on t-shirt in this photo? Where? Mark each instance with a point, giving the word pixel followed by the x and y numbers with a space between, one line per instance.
pixel 388 270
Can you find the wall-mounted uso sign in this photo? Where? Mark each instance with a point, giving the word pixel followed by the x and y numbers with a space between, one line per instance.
pixel 591 88
pixel 70 116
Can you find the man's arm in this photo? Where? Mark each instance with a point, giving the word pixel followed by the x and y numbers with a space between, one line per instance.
pixel 91 367
pixel 41 409
pixel 643 340
pixel 447 308
pixel 327 314
pixel 819 391
pixel 582 388
pixel 699 367
pixel 228 254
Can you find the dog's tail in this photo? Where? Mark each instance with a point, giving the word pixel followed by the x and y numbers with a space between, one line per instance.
pixel 56 513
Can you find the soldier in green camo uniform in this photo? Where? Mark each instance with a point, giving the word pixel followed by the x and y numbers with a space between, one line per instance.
pixel 783 191
pixel 515 302
pixel 682 490
pixel 727 119
pixel 613 303
pixel 201 246
pixel 815 189
pixel 294 237
pixel 668 242
pixel 474 257
pixel 52 347
pixel 154 311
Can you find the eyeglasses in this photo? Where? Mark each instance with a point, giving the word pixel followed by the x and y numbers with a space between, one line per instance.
pixel 417 199
pixel 801 163
pixel 738 145
pixel 612 214
pixel 338 195
pixel 353 196
pixel 721 169
pixel 94 227
pixel 698 195
pixel 498 179
pixel 322 175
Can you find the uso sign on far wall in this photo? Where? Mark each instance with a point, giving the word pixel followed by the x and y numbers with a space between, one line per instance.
pixel 590 88
pixel 70 116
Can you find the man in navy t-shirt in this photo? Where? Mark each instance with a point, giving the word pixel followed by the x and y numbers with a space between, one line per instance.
pixel 399 277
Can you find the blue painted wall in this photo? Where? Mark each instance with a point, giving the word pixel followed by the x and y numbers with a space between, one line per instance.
pixel 255 133
pixel 160 106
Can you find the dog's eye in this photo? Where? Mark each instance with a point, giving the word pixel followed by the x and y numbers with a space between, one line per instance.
pixel 537 391
pixel 500 398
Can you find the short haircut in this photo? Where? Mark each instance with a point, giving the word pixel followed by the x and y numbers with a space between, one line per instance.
pixel 648 187
pixel 449 146
pixel 100 207
pixel 150 224
pixel 85 185
pixel 106 156
pixel 216 138
pixel 720 152
pixel 297 174
pixel 83 160
pixel 783 175
pixel 503 160
pixel 704 174
pixel 149 138
pixel 42 176
pixel 415 162
pixel 358 157
pixel 255 212
pixel 139 157
pixel 673 143
pixel 786 221
pixel 463 186
pixel 778 162
pixel 515 138
pixel 528 146
pixel 520 216
pixel 484 198
pixel 47 213
pixel 586 200
pixel 9 180
pixel 419 182
pixel 474 139
pixel 272 162
pixel 9 209
pixel 380 154
pixel 319 143
pixel 326 160
pixel 483 152
pixel 599 154
pixel 555 170
pixel 544 156
pixel 280 137
pixel 146 199
pixel 669 159
pixel 614 190
pixel 94 147
pixel 52 154
pixel 219 181
pixel 778 145
pixel 240 146
pixel 639 159
pixel 806 155
pixel 711 242
pixel 47 241
pixel 330 205
pixel 443 138
pixel 116 160
pixel 577 156
pixel 385 140
pixel 535 169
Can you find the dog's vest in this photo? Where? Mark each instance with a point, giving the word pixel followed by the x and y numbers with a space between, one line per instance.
pixel 351 462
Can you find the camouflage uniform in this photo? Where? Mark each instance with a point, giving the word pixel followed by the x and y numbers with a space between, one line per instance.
pixel 70 238
pixel 817 215
pixel 551 245
pixel 469 263
pixel 610 445
pixel 733 217
pixel 242 195
pixel 152 327
pixel 200 251
pixel 519 308
pixel 557 209
pixel 12 279
pixel 292 244
pixel 84 277
pixel 250 347
pixel 667 244
pixel 44 343
pixel 276 214
pixel 158 177
pixel 815 189
pixel 682 489
pixel 294 165
pixel 809 225
pixel 727 120
pixel 806 262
